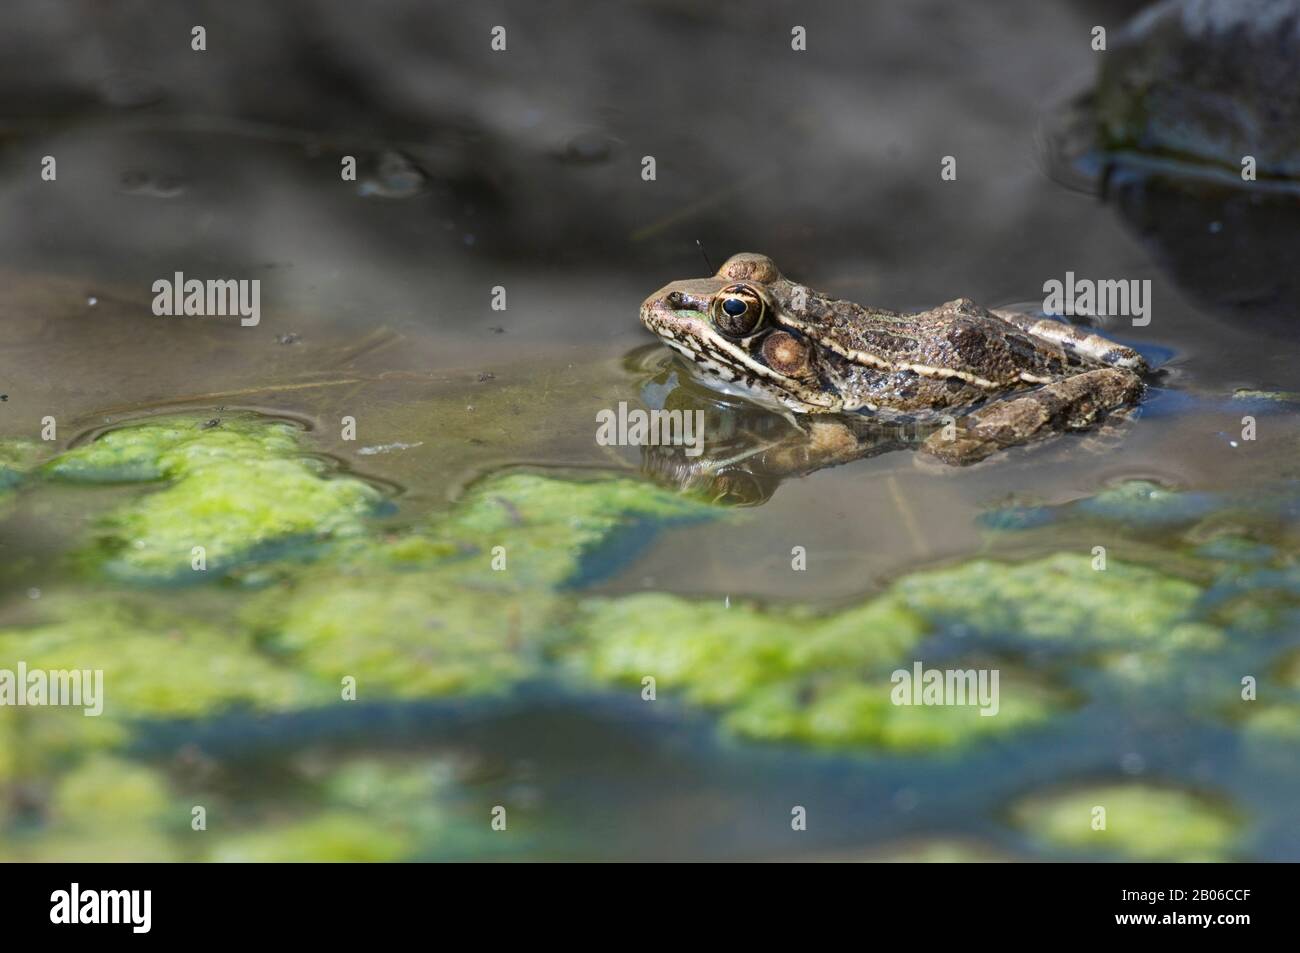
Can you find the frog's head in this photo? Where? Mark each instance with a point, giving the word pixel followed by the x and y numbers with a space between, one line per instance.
pixel 731 327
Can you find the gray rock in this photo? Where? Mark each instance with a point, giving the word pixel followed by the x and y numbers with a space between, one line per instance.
pixel 1208 81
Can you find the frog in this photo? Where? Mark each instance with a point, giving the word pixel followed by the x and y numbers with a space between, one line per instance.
pixel 995 378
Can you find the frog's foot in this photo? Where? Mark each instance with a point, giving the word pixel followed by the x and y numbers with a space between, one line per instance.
pixel 1076 340
pixel 1112 431
pixel 1070 404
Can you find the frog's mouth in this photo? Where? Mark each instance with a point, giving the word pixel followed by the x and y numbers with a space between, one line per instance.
pixel 680 317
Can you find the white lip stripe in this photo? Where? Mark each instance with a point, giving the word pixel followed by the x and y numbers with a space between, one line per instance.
pixel 760 370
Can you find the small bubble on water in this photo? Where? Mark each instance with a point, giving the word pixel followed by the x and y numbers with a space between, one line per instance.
pixel 33 593
pixel 92 301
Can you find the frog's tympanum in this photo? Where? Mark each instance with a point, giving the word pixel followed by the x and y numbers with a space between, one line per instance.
pixel 1002 378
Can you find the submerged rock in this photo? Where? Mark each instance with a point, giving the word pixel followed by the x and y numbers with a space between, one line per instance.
pixel 1209 81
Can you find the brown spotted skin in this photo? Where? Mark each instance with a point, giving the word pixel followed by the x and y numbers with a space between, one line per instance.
pixel 815 354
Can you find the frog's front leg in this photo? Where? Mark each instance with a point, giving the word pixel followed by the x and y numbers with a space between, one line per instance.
pixel 1070 404
pixel 1075 340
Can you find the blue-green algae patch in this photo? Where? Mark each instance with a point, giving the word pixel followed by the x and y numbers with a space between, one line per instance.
pixel 1276 711
pixel 403 635
pixel 1062 599
pixel 107 810
pixel 460 606
pixel 239 487
pixel 474 602
pixel 1133 821
pixel 17 458
pixel 365 810
pixel 793 676
pixel 156 664
pixel 552 530
pixel 710 654
pixel 323 837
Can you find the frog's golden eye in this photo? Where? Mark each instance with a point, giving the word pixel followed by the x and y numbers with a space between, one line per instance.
pixel 738 310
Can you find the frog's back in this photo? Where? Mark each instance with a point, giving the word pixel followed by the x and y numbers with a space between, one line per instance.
pixel 957 340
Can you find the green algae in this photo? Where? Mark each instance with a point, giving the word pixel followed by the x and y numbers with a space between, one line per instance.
pixel 841 712
pixel 240 487
pixel 713 655
pixel 17 457
pixel 155 664
pixel 821 679
pixel 550 528
pixel 438 612
pixel 326 837
pixel 403 635
pixel 1278 720
pixel 108 791
pixel 789 676
pixel 476 600
pixel 369 810
pixel 1061 598
pixel 936 850
pixel 1279 717
pixel 104 810
pixel 1142 822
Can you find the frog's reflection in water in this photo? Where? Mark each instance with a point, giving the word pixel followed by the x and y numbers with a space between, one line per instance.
pixel 749 449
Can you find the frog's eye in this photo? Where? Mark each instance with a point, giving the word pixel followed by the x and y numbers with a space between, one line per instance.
pixel 738 310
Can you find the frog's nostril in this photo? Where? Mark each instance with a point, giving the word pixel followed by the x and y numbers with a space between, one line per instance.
pixel 674 300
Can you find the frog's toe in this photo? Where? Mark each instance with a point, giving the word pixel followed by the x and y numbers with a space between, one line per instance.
pixel 1071 404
